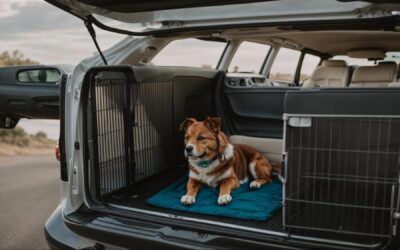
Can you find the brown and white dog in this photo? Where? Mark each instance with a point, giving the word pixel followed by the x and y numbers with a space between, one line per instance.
pixel 214 161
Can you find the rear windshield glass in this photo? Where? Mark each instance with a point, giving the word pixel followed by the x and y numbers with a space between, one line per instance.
pixel 190 53
pixel 285 64
pixel 249 57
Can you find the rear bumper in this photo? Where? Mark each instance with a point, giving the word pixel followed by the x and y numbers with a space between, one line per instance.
pixel 86 230
pixel 89 230
pixel 59 236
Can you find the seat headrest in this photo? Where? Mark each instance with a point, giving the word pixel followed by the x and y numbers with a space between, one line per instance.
pixel 335 63
pixel 372 54
pixel 377 73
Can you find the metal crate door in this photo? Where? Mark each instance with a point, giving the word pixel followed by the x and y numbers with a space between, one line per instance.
pixel 112 120
pixel 342 174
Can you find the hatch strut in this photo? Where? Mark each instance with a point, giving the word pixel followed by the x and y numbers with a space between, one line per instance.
pixel 92 32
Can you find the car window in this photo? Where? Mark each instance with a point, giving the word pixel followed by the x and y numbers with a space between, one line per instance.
pixel 190 53
pixel 310 62
pixel 285 64
pixel 39 76
pixel 249 57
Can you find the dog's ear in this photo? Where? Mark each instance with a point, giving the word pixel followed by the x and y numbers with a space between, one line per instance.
pixel 213 123
pixel 186 123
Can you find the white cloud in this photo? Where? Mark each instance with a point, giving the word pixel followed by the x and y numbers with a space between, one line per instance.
pixel 47 34
pixel 9 7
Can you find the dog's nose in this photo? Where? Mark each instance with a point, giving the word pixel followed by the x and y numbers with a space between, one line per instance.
pixel 189 149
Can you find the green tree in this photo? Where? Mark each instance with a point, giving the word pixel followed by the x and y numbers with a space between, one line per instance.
pixel 17 132
pixel 15 57
pixel 41 135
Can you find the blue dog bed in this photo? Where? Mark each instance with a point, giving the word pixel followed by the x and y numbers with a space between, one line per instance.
pixel 249 204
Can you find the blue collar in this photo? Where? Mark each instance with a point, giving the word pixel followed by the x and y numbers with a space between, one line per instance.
pixel 203 164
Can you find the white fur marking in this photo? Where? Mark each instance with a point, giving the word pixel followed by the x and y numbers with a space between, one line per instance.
pixel 245 179
pixel 224 199
pixel 228 152
pixel 202 175
pixel 188 199
pixel 255 184
pixel 252 167
pixel 210 180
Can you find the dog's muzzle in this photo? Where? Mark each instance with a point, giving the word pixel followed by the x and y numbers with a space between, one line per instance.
pixel 189 149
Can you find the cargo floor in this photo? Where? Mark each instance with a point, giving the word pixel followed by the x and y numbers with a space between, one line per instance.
pixel 140 192
pixel 137 195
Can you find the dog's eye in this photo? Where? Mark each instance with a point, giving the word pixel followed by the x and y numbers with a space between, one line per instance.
pixel 200 138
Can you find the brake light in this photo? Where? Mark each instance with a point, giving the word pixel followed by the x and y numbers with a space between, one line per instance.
pixel 58 153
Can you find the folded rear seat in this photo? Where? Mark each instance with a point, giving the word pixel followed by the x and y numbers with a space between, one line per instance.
pixel 330 74
pixel 376 76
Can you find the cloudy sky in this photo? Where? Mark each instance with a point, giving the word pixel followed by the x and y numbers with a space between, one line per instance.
pixel 45 33
pixel 48 35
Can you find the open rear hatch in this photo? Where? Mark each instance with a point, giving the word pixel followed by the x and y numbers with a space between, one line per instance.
pixel 176 16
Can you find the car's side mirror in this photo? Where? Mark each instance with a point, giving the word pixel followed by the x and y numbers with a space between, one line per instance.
pixel 39 76
pixel 8 122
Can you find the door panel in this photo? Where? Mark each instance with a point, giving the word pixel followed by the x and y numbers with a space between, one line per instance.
pixel 255 111
pixel 29 101
pixel 29 92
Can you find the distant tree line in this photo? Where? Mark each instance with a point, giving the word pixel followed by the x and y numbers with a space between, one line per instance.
pixel 15 57
pixel 19 137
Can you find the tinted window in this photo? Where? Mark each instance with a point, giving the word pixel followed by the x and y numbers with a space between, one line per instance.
pixel 285 64
pixel 39 76
pixel 190 53
pixel 310 62
pixel 249 57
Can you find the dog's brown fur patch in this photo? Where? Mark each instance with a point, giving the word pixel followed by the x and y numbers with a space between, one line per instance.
pixel 211 144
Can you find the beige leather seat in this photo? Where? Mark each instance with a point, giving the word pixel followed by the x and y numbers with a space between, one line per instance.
pixel 270 147
pixel 330 74
pixel 397 83
pixel 394 85
pixel 376 76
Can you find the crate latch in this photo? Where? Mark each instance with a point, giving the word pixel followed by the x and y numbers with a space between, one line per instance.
pixel 303 122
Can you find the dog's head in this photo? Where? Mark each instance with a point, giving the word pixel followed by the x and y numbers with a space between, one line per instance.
pixel 203 139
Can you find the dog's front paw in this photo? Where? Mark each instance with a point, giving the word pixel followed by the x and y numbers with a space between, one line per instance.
pixel 255 184
pixel 224 199
pixel 188 199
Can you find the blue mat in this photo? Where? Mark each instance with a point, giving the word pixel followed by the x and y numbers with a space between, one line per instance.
pixel 249 204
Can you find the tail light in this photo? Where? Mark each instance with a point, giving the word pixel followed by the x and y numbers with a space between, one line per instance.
pixel 58 153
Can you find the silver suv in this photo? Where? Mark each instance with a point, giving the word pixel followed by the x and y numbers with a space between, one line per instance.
pixel 311 84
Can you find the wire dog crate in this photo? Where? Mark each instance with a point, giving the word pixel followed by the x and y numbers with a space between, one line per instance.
pixel 131 129
pixel 342 174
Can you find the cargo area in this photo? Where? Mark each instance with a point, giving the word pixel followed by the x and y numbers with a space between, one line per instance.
pixel 341 165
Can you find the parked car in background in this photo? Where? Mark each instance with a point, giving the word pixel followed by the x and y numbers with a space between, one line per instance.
pixel 30 91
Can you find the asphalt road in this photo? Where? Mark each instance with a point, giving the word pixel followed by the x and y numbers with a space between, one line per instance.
pixel 29 192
